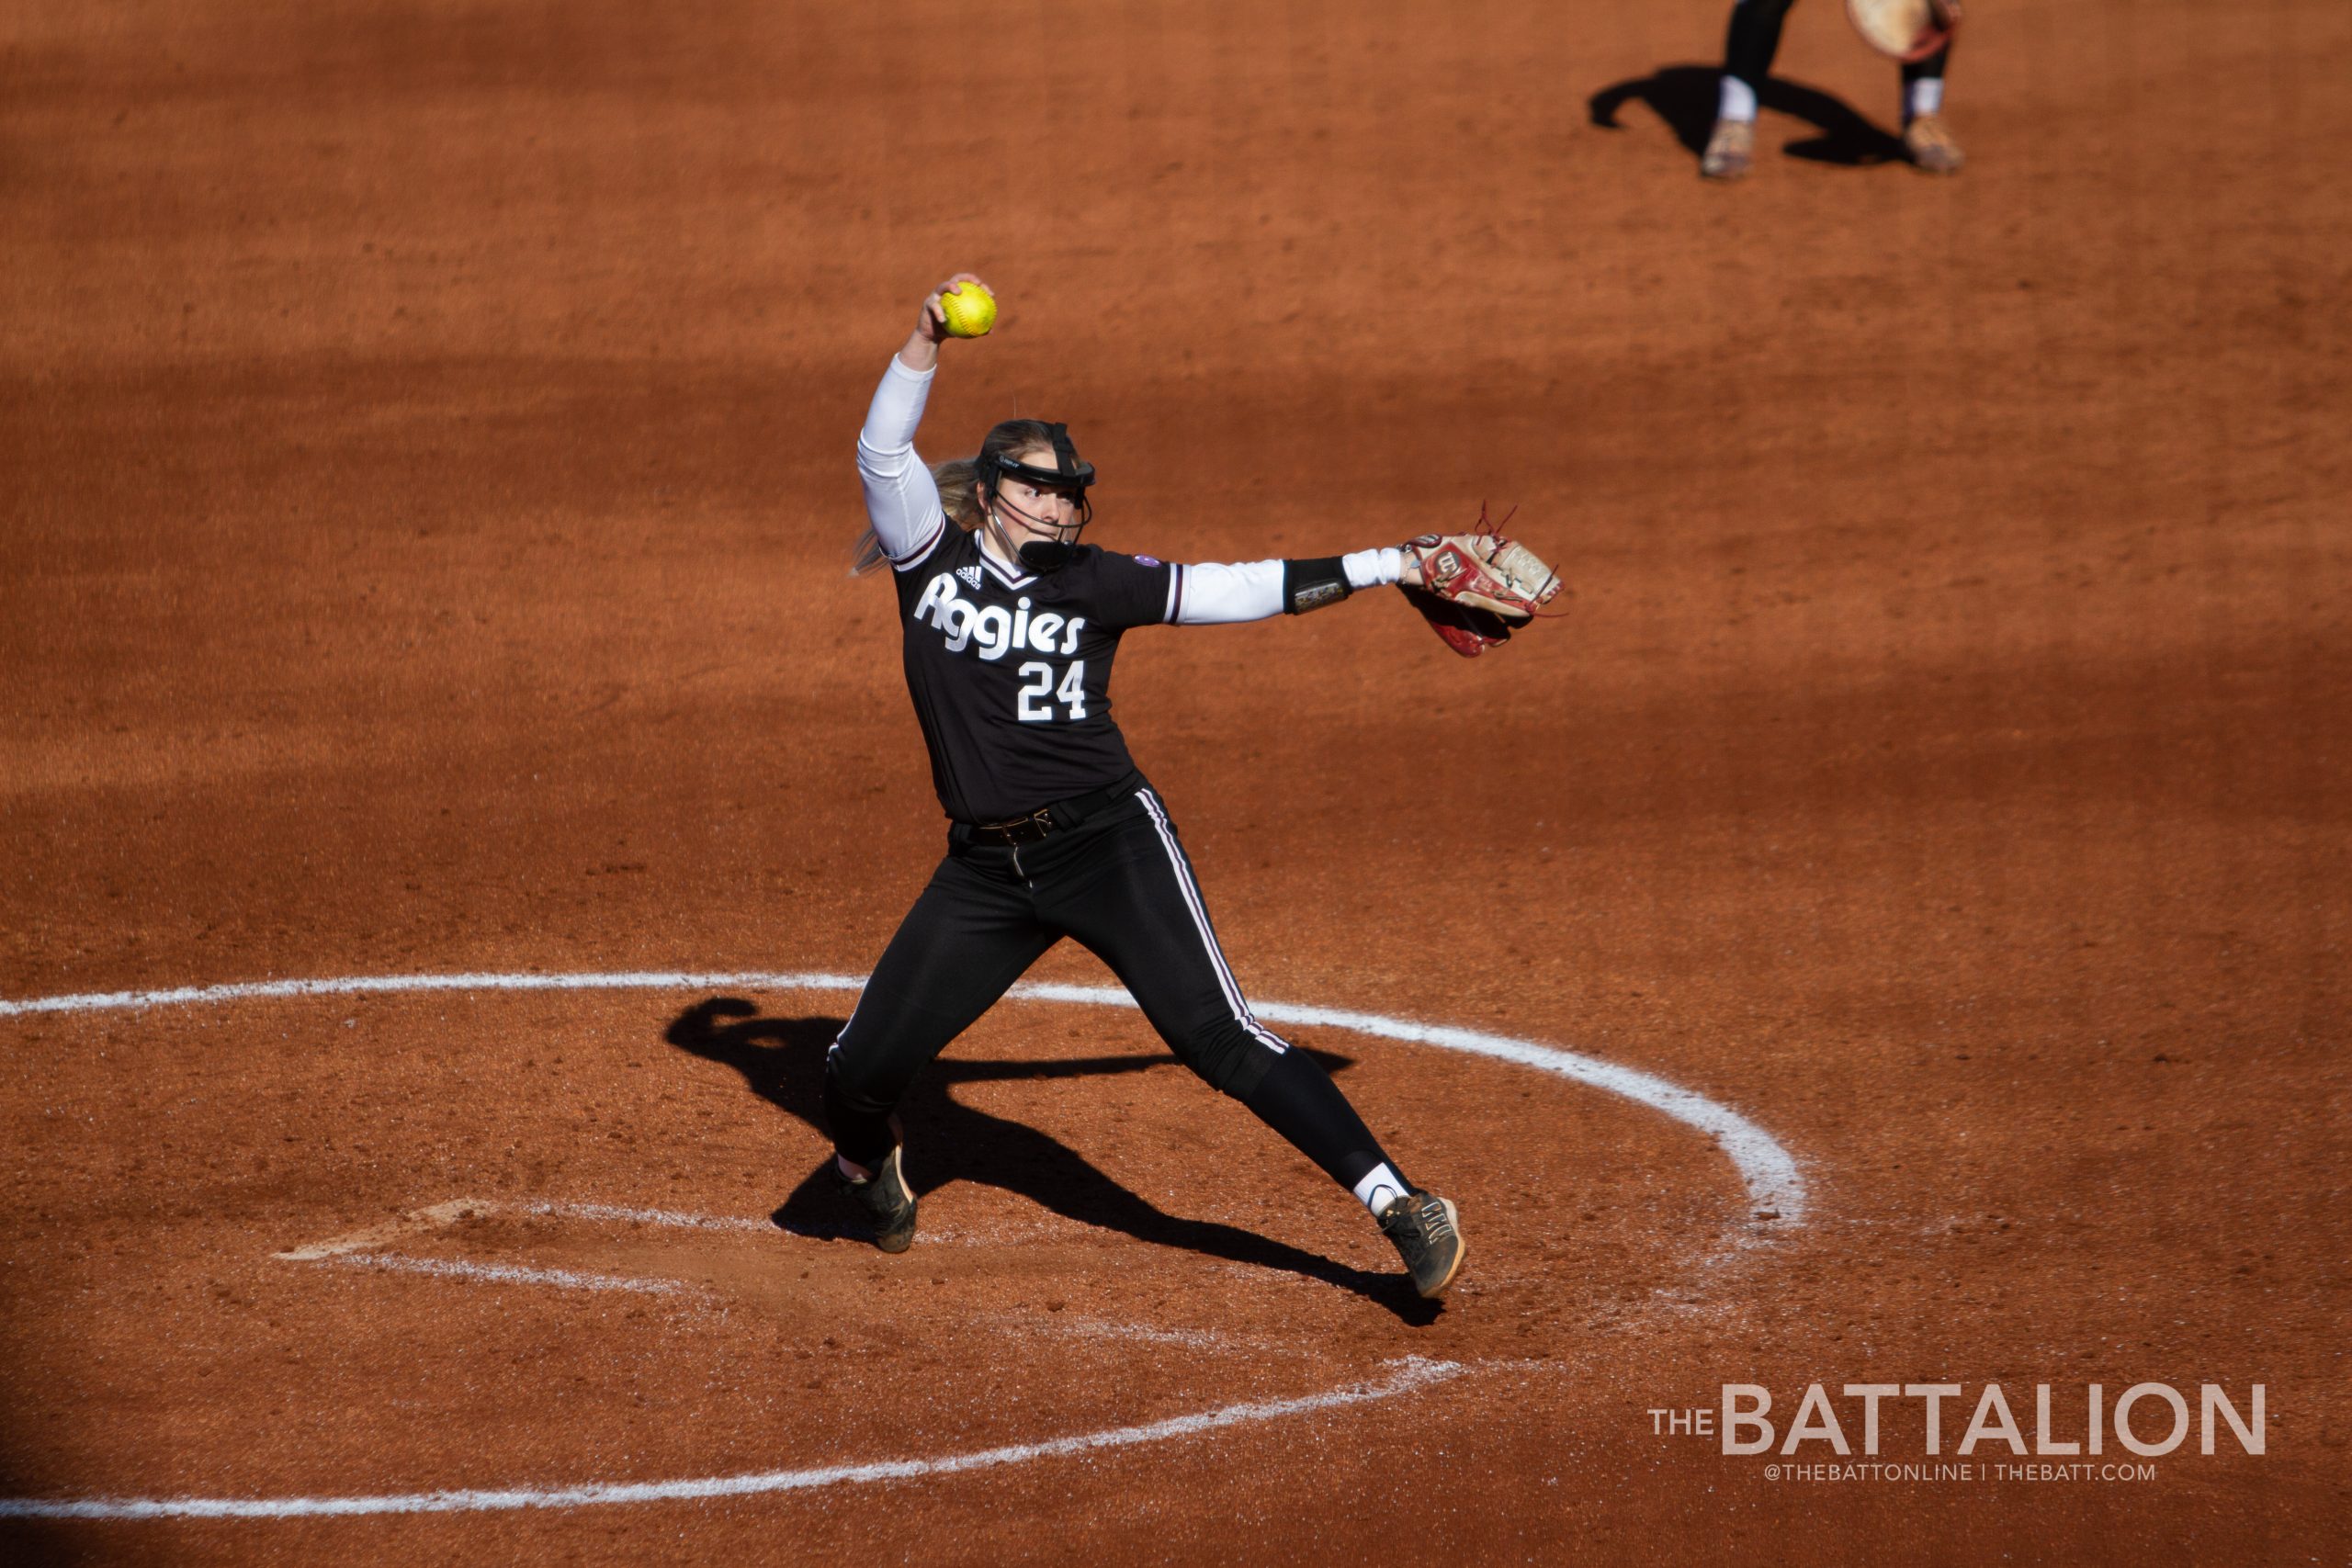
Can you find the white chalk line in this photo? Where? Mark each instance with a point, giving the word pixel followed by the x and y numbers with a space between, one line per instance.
pixel 508 1273
pixel 1773 1182
pixel 1411 1375
pixel 1774 1186
pixel 345 1250
pixel 374 984
pixel 1102 1328
pixel 377 1235
pixel 620 1215
pixel 438 1216
pixel 358 1247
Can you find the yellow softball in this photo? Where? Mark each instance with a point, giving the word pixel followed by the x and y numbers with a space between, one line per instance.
pixel 970 311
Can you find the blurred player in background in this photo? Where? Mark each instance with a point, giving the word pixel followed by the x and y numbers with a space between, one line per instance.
pixel 1754 39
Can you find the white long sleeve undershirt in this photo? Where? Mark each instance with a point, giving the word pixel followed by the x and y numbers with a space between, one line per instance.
pixel 901 500
pixel 1214 594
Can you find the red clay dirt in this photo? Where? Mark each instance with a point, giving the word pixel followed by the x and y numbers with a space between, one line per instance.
pixel 428 432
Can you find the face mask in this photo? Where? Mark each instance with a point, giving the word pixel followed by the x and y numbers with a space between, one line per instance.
pixel 1046 555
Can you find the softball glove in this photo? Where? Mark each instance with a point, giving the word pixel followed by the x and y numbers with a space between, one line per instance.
pixel 1477 586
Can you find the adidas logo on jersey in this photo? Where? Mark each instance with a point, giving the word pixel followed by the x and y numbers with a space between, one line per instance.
pixel 997 629
pixel 971 576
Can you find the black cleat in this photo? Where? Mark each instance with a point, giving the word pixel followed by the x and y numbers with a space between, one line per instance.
pixel 888 1201
pixel 1428 1236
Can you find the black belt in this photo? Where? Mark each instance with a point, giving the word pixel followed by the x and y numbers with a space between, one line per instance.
pixel 1047 819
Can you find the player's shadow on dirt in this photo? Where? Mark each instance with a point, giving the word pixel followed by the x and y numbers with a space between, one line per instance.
pixel 783 1060
pixel 1685 96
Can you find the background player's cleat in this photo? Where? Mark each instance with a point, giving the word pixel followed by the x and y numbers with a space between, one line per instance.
pixel 1930 141
pixel 888 1201
pixel 1730 150
pixel 1424 1227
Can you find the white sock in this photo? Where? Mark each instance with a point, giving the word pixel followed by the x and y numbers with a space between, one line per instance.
pixel 1380 1189
pixel 1927 97
pixel 1738 100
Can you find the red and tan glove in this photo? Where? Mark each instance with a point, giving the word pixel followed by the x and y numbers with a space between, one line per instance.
pixel 1475 587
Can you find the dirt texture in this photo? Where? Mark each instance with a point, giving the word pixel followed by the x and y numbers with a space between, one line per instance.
pixel 429 438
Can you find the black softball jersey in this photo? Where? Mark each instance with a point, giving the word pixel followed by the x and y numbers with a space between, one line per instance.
pixel 1011 672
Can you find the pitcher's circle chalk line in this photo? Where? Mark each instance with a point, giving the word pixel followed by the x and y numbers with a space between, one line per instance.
pixel 1771 1177
pixel 1406 1376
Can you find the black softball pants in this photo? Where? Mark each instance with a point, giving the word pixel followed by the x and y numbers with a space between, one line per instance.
pixel 1120 883
pixel 1756 39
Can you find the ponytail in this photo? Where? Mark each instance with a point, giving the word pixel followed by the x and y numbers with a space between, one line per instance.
pixel 959 482
pixel 959 486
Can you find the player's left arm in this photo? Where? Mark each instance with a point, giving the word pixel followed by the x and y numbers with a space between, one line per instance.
pixel 1215 594
pixel 1473 588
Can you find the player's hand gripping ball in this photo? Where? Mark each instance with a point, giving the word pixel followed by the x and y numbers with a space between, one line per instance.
pixel 970 311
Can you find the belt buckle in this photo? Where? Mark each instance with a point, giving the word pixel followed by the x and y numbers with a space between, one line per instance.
pixel 1029 829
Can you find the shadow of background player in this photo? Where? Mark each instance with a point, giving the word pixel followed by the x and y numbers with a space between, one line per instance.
pixel 1686 97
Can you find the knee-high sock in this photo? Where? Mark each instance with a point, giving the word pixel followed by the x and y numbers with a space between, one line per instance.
pixel 861 1128
pixel 1923 84
pixel 1754 40
pixel 1297 1099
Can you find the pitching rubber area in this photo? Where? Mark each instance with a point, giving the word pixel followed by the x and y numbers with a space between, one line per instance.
pixel 1774 1186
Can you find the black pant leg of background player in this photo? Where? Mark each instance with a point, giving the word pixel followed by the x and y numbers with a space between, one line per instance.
pixel 1754 40
pixel 1931 67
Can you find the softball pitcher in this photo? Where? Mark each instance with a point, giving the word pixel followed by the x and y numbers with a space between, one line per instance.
pixel 1008 629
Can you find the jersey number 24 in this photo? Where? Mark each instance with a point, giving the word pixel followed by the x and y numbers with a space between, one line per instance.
pixel 1038 691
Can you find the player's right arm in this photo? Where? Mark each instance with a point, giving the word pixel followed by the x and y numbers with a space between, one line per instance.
pixel 901 500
